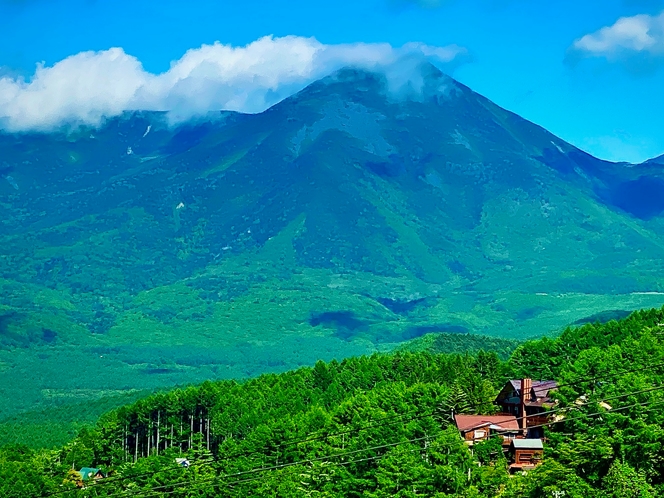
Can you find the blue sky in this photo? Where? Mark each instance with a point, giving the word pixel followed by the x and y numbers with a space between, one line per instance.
pixel 547 61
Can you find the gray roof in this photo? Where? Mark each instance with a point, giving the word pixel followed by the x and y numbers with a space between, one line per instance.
pixel 540 387
pixel 528 444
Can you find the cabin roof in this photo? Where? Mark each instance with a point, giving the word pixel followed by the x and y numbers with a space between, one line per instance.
pixel 88 472
pixel 539 392
pixel 497 422
pixel 527 444
pixel 541 388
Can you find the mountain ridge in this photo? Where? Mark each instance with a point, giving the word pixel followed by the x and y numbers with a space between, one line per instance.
pixel 341 221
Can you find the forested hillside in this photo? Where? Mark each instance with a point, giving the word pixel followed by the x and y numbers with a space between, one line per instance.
pixel 381 426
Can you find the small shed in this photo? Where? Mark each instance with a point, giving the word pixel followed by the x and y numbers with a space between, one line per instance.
pixel 526 453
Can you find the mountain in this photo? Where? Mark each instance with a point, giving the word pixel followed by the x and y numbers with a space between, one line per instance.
pixel 656 160
pixel 350 217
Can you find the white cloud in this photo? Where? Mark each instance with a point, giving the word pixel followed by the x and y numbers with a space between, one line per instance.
pixel 641 34
pixel 89 86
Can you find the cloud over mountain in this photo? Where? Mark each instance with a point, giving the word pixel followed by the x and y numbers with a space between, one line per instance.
pixel 628 36
pixel 86 87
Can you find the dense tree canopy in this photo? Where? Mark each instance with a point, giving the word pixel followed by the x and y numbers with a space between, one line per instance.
pixel 380 426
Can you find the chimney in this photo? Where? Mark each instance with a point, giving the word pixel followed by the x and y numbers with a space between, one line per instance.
pixel 526 387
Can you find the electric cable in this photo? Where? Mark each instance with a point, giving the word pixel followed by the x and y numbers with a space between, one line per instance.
pixel 329 457
pixel 293 441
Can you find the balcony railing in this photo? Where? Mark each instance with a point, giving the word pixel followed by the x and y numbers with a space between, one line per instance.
pixel 532 420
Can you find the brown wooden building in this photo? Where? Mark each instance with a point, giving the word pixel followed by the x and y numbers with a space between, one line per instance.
pixel 476 428
pixel 529 399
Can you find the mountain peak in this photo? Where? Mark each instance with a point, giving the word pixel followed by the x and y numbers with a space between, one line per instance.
pixel 403 80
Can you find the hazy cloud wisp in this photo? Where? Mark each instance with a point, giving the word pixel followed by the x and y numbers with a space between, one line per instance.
pixel 86 87
pixel 628 36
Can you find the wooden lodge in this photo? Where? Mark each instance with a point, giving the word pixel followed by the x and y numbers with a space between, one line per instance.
pixel 525 405
pixel 528 401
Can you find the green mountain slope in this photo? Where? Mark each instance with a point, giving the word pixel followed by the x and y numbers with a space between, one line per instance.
pixel 342 221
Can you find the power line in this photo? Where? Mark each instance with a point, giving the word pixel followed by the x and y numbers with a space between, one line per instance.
pixel 282 444
pixel 497 435
pixel 590 402
pixel 329 457
pixel 609 376
pixel 112 480
pixel 282 466
pixel 400 418
pixel 381 424
pixel 251 479
pixel 378 457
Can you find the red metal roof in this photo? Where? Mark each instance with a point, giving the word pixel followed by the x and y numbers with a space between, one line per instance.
pixel 469 422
